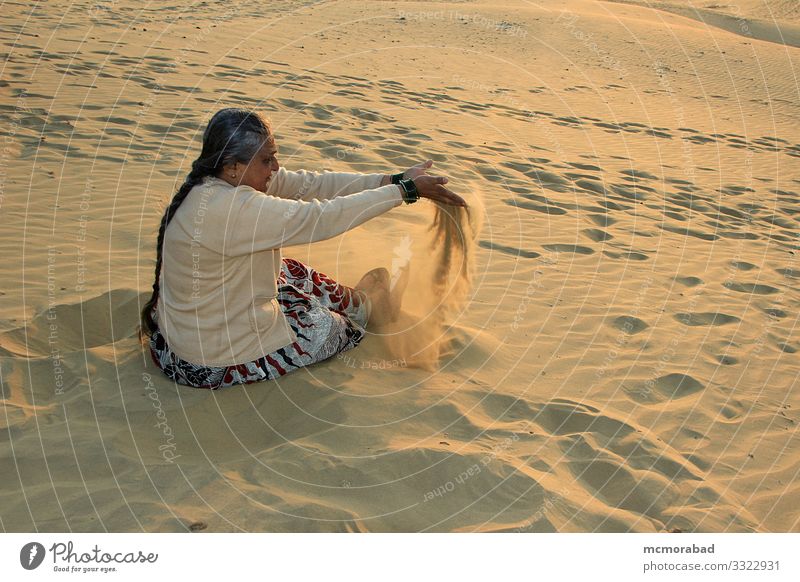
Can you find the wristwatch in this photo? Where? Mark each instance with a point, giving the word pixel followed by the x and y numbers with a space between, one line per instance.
pixel 397 177
pixel 410 194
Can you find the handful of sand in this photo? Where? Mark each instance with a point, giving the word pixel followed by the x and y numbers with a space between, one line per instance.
pixel 442 283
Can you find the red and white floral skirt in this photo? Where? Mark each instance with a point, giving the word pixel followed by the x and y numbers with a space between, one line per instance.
pixel 328 318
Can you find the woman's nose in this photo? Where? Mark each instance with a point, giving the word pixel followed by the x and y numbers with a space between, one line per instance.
pixel 275 165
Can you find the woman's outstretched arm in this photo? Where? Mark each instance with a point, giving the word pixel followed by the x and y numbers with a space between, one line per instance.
pixel 306 185
pixel 261 222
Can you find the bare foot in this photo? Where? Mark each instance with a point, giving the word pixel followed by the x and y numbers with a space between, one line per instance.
pixel 375 285
pixel 375 278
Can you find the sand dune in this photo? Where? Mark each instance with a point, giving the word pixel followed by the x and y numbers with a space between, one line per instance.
pixel 626 359
pixel 765 20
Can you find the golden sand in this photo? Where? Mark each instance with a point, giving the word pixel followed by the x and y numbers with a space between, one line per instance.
pixel 624 357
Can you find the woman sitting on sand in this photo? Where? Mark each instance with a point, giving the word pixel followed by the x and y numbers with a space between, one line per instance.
pixel 226 307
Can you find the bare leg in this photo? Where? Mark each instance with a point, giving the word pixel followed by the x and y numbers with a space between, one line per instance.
pixel 374 277
pixel 386 298
pixel 375 286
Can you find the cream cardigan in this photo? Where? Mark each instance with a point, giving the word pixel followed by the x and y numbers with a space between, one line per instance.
pixel 221 258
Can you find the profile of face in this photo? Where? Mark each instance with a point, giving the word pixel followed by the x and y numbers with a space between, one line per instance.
pixel 257 172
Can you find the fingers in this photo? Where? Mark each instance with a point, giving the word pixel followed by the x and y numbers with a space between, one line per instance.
pixel 434 181
pixel 419 169
pixel 433 187
pixel 452 198
pixel 459 201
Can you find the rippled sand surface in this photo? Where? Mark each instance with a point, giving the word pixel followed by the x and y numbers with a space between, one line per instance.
pixel 625 361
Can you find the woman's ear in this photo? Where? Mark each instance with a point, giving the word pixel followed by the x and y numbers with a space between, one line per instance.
pixel 230 171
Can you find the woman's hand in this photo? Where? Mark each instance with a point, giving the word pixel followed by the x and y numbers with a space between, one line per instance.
pixel 432 187
pixel 418 170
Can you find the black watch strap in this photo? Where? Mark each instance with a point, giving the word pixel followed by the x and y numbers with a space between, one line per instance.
pixel 410 194
pixel 397 177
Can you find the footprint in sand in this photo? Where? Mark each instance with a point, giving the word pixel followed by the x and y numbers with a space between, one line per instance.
pixel 594 445
pixel 565 248
pixel 689 232
pixel 679 181
pixel 736 234
pixel 743 266
pixel 732 411
pixel 628 193
pixel 548 180
pixel 562 416
pixel 568 121
pixel 686 438
pixel 789 273
pixel 596 234
pixel 706 319
pixel 591 185
pixel 616 485
pixel 602 219
pixel 726 360
pixel 629 324
pixel 514 252
pixel 735 190
pixel 752 288
pixel 609 127
pixel 579 175
pixel 687 188
pixel 608 205
pixel 699 139
pixel 315 126
pixel 640 174
pixel 689 201
pixel 544 209
pixel 630 256
pixel 582 166
pixel 775 312
pixel 664 388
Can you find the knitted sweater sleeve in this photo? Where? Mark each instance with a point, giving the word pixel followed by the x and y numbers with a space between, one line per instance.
pixel 265 222
pixel 306 185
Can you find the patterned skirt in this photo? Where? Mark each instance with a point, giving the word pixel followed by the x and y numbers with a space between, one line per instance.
pixel 328 318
